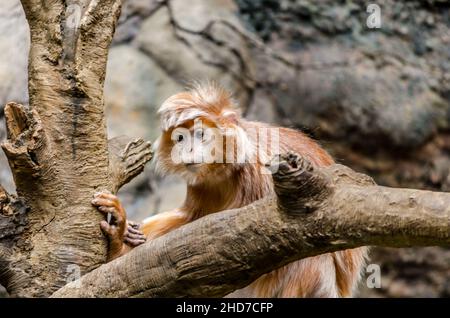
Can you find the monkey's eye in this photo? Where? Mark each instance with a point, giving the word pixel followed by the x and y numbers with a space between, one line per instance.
pixel 179 138
pixel 198 134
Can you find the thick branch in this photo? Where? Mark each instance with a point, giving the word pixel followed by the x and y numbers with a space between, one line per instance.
pixel 226 251
pixel 127 159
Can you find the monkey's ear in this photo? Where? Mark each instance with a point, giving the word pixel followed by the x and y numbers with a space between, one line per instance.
pixel 231 117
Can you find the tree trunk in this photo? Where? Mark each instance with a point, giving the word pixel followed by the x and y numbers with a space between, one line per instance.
pixel 57 147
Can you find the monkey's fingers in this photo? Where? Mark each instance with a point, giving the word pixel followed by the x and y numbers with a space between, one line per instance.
pixel 133 225
pixel 134 230
pixel 106 209
pixel 104 202
pixel 102 193
pixel 106 195
pixel 107 229
pixel 134 242
pixel 132 236
pixel 116 216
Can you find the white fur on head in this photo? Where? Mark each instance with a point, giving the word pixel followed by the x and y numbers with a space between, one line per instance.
pixel 176 118
pixel 203 100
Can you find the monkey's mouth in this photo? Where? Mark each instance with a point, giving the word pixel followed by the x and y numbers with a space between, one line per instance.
pixel 192 166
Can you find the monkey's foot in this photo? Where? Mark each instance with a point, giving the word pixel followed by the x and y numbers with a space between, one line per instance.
pixel 133 236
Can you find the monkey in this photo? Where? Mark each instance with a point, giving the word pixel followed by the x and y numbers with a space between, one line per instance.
pixel 230 180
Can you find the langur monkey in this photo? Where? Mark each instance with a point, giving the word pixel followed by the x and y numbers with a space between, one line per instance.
pixel 231 180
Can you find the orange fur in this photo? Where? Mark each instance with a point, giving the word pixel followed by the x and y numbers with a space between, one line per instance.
pixel 162 223
pixel 218 186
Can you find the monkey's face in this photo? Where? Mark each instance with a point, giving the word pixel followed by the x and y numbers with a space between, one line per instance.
pixel 202 139
pixel 201 151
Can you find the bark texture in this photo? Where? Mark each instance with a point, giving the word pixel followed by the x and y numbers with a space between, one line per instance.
pixel 57 147
pixel 226 251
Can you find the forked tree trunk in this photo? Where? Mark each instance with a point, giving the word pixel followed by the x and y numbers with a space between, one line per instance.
pixel 58 149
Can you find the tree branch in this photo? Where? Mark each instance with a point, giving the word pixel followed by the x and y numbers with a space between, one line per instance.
pixel 225 251
pixel 127 159
pixel 26 142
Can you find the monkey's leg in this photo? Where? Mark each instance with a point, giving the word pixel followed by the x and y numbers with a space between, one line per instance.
pixel 163 223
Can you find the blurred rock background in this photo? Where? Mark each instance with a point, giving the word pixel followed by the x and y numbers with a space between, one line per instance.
pixel 377 99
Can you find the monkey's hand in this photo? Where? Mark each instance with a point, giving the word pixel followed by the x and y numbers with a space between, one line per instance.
pixel 133 236
pixel 114 228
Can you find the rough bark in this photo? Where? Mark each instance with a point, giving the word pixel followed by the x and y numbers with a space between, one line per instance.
pixel 127 158
pixel 13 219
pixel 225 251
pixel 12 216
pixel 57 147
